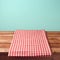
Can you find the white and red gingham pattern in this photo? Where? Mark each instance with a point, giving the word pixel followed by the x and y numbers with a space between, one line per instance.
pixel 29 43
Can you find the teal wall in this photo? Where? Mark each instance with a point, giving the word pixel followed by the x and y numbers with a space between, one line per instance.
pixel 30 14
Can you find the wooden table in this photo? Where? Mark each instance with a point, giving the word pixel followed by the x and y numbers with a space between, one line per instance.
pixel 53 39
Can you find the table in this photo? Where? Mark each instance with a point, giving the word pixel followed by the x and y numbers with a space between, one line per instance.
pixel 52 36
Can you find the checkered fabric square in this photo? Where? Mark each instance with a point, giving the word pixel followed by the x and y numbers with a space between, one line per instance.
pixel 29 43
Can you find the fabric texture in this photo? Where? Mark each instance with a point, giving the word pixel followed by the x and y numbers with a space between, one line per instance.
pixel 29 43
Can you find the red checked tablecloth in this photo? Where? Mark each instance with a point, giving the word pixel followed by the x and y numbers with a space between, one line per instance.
pixel 29 43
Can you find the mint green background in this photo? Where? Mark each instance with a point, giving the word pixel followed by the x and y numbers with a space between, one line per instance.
pixel 30 14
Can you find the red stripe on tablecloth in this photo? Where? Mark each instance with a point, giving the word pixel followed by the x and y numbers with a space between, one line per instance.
pixel 29 43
